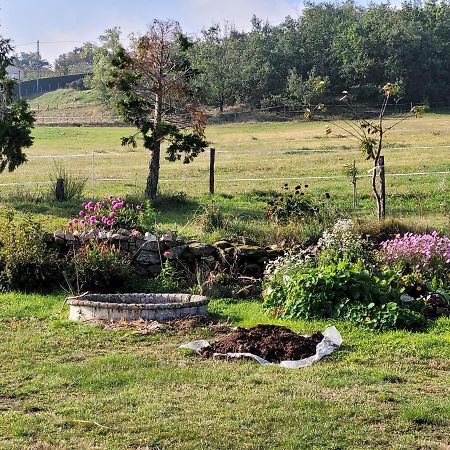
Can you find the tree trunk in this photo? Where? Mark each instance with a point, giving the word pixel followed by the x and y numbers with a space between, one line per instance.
pixel 153 172
pixel 155 149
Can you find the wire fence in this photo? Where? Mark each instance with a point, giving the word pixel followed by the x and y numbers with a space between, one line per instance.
pixel 93 170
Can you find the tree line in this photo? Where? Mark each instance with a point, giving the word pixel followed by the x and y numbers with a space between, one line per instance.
pixel 344 45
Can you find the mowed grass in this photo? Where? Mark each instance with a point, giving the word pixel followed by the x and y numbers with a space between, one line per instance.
pixel 67 385
pixel 252 159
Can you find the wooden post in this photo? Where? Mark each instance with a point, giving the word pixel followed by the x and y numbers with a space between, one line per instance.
pixel 59 192
pixel 382 188
pixel 212 161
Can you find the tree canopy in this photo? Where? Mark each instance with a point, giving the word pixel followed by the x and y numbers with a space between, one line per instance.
pixel 156 82
pixel 16 120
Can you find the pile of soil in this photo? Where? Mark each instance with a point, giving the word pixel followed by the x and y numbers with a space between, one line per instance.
pixel 271 342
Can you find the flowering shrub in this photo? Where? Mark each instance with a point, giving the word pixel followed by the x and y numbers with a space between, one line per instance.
pixel 424 254
pixel 114 213
pixel 343 243
pixel 342 280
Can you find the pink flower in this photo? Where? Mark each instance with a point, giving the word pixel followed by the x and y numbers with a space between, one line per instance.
pixel 112 215
pixel 167 254
pixel 109 222
pixel 138 206
pixel 81 213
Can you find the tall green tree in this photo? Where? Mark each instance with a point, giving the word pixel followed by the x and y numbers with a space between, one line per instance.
pixel 102 58
pixel 155 79
pixel 16 120
pixel 216 58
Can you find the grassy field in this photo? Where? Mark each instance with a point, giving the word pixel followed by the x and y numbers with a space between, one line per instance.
pixel 253 159
pixel 70 386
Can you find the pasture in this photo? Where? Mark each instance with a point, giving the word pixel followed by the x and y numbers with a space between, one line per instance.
pixel 253 161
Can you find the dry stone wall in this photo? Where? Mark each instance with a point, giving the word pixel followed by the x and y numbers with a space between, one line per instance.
pixel 149 253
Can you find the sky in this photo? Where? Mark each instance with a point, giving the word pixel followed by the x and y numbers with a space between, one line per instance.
pixel 64 24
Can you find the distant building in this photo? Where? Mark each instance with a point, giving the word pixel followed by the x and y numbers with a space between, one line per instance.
pixel 14 72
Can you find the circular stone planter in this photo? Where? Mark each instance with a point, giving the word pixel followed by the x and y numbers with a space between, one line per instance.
pixel 114 307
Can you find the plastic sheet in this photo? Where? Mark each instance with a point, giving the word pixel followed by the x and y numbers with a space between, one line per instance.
pixel 331 341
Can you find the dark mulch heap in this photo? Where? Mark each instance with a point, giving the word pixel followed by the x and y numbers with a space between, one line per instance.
pixel 271 342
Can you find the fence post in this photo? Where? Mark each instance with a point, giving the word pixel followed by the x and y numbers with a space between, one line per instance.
pixel 59 191
pixel 382 187
pixel 93 171
pixel 212 161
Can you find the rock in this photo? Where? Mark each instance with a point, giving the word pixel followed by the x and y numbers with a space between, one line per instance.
pixel 151 246
pixel 249 291
pixel 119 237
pixel 175 252
pixel 154 269
pixel 147 258
pixel 198 249
pixel 123 232
pixel 274 252
pixel 443 311
pixel 60 237
pixel 69 237
pixel 223 244
pixel 102 235
pixel 150 237
pixel 166 238
pixel 251 252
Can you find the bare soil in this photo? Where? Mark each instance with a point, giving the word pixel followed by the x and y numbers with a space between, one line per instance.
pixel 271 342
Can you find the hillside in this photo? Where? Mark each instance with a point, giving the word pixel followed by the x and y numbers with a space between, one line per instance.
pixel 71 106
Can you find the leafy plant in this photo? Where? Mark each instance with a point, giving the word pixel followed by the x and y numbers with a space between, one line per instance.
pixel 337 290
pixel 295 205
pixel 99 268
pixel 26 262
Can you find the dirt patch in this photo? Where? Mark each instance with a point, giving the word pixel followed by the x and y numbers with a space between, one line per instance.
pixel 271 342
pixel 182 325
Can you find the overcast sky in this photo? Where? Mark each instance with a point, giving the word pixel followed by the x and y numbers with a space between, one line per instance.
pixel 75 22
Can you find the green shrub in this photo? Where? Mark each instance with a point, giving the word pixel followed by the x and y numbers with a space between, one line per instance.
pixel 298 204
pixel 338 290
pixel 26 262
pixel 100 268
pixel 341 281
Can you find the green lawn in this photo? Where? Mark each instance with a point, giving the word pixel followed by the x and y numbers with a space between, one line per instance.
pixel 65 385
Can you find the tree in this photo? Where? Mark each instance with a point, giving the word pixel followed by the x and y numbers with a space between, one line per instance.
pixel 79 60
pixel 16 120
pixel 103 56
pixel 156 80
pixel 216 59
pixel 370 134
pixel 31 61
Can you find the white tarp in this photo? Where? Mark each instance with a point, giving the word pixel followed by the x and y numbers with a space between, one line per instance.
pixel 331 341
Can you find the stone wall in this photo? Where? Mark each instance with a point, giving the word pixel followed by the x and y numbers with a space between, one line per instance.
pixel 149 253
